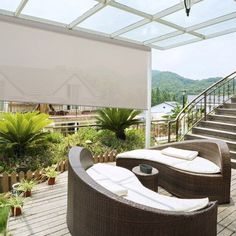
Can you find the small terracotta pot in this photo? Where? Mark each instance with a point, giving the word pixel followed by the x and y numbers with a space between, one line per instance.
pixel 16 211
pixel 51 181
pixel 27 193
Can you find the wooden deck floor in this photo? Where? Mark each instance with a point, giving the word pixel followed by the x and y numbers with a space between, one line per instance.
pixel 45 212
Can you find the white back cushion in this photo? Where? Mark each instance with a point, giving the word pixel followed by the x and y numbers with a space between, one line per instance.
pixel 197 165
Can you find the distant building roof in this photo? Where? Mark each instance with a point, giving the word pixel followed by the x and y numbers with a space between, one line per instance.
pixel 158 111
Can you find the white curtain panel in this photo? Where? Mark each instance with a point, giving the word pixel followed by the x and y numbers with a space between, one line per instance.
pixel 43 66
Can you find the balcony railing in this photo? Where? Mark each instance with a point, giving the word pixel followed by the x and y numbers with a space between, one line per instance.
pixel 200 107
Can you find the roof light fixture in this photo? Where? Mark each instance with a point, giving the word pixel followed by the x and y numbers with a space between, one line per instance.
pixel 188 4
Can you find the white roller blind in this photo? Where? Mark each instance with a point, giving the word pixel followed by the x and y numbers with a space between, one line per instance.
pixel 42 66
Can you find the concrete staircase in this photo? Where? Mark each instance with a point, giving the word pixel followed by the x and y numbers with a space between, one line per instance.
pixel 220 125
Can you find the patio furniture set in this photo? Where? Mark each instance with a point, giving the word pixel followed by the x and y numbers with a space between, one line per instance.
pixel 119 200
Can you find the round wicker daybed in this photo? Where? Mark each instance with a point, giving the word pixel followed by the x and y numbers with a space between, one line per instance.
pixel 186 184
pixel 95 211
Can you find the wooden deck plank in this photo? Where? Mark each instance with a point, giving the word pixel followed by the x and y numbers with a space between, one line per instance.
pixel 45 212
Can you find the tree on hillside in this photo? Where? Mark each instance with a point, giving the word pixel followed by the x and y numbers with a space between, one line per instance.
pixel 159 96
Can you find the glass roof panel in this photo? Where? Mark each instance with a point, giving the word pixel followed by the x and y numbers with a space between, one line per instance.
pixel 226 25
pixel 9 5
pixel 148 31
pixel 174 40
pixel 149 6
pixel 63 11
pixel 109 20
pixel 202 11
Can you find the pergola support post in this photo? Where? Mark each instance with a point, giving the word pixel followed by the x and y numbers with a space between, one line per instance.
pixel 149 103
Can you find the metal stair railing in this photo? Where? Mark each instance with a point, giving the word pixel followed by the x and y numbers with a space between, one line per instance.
pixel 198 109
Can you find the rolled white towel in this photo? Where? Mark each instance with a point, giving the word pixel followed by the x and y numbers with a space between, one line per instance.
pixel 180 153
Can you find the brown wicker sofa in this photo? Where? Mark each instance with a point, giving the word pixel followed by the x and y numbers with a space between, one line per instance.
pixel 192 185
pixel 95 211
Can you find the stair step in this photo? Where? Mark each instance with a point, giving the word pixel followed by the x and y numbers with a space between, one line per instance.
pixel 226 111
pixel 217 125
pixel 233 163
pixel 229 105
pixel 230 143
pixel 214 132
pixel 226 119
pixel 233 155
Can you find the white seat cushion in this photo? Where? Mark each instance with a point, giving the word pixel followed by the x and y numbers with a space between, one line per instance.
pixel 197 165
pixel 113 187
pixel 147 197
pixel 129 185
pixel 114 173
pixel 180 153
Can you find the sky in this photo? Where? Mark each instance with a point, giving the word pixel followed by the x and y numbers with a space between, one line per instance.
pixel 200 60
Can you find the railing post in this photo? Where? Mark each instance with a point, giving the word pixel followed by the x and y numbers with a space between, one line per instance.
pixel 177 130
pixel 169 130
pixel 233 85
pixel 205 105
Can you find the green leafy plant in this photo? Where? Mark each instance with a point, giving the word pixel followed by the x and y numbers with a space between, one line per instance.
pixel 117 120
pixel 50 172
pixel 20 131
pixel 16 201
pixel 26 185
pixel 4 213
pixel 16 204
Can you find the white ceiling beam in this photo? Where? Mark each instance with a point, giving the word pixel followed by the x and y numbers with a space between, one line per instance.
pixel 148 17
pixel 130 27
pixel 91 32
pixel 168 11
pixel 129 40
pixel 182 43
pixel 155 47
pixel 158 15
pixel 179 28
pixel 86 15
pixel 20 7
pixel 130 10
pixel 6 13
pixel 42 20
pixel 163 37
pixel 221 33
pixel 212 22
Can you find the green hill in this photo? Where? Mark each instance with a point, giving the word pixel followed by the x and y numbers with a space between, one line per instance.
pixel 172 85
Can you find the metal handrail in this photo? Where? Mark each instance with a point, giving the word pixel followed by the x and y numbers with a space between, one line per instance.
pixel 202 96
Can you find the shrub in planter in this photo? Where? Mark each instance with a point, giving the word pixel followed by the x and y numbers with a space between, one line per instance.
pixel 51 174
pixel 16 204
pixel 26 186
pixel 4 213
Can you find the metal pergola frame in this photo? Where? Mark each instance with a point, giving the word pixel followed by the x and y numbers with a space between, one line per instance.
pixel 73 27
pixel 147 18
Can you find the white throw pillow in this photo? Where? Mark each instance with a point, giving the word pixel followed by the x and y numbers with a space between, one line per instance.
pixel 180 153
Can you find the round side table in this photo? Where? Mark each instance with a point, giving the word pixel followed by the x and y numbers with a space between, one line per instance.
pixel 148 180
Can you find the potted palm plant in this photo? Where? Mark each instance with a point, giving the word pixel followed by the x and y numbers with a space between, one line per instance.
pixel 117 120
pixel 16 204
pixel 26 186
pixel 51 174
